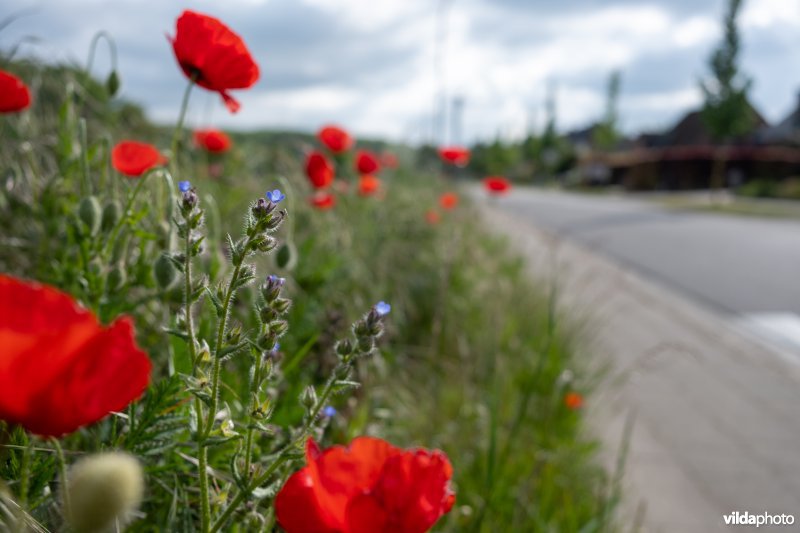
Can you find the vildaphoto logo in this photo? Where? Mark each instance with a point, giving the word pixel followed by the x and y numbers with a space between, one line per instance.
pixel 764 519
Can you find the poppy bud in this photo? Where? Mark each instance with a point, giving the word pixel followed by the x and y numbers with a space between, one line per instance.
pixel 116 279
pixel 165 272
pixel 286 258
pixel 309 397
pixel 112 83
pixel 112 212
pixel 90 214
pixel 103 489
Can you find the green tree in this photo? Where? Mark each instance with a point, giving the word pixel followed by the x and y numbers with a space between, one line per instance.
pixel 606 135
pixel 727 112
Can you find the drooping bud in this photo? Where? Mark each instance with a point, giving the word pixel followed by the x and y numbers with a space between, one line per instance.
pixel 112 83
pixel 286 257
pixel 103 489
pixel 90 214
pixel 165 272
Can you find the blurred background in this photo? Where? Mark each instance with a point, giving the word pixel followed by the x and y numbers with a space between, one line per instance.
pixel 443 71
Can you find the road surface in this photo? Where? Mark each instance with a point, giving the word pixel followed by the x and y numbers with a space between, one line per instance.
pixel 695 314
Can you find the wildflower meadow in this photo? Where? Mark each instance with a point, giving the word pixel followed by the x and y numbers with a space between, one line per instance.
pixel 204 330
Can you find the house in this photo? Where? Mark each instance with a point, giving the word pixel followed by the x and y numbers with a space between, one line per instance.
pixel 687 157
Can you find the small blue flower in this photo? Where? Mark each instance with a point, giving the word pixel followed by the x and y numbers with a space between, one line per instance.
pixel 382 308
pixel 184 186
pixel 276 347
pixel 275 196
pixel 329 411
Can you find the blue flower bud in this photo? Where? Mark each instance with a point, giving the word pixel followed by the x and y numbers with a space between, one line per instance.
pixel 184 186
pixel 329 411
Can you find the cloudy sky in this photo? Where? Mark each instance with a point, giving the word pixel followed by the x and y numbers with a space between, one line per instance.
pixel 370 64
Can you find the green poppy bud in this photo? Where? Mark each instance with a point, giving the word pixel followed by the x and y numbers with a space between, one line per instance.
pixel 112 83
pixel 116 278
pixel 286 258
pixel 112 212
pixel 165 272
pixel 90 214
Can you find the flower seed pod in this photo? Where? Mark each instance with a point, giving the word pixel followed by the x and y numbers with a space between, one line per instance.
pixel 165 272
pixel 90 214
pixel 102 489
pixel 112 212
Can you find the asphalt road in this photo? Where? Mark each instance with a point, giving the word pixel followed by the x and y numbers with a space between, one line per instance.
pixel 735 265
pixel 712 409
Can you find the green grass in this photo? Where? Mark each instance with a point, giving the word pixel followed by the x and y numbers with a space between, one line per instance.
pixel 472 361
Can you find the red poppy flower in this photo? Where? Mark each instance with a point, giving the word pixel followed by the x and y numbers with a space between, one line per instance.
pixel 454 155
pixel 573 401
pixel 366 162
pixel 389 160
pixel 368 184
pixel 213 56
pixel 432 217
pixel 496 185
pixel 367 487
pixel 14 94
pixel 323 201
pixel 319 170
pixel 214 141
pixel 133 158
pixel 335 139
pixel 59 368
pixel 448 200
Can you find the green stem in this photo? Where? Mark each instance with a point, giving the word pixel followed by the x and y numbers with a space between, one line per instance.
pixel 176 134
pixel 24 474
pixel 112 48
pixel 112 239
pixel 62 465
pixel 205 507
pixel 279 460
pixel 248 449
pixel 223 323
pixel 86 184
pixel 187 298
pixel 240 497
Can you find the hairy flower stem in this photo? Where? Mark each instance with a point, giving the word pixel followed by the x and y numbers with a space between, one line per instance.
pixel 281 458
pixel 223 324
pixel 24 474
pixel 62 466
pixel 205 505
pixel 248 448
